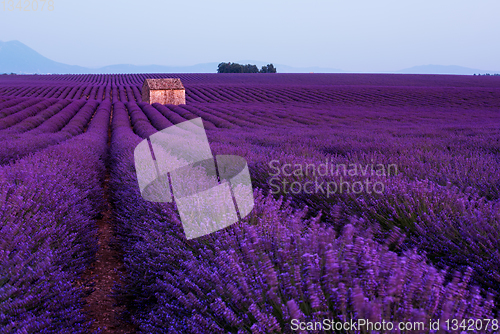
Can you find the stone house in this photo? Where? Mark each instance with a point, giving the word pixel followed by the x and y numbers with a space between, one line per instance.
pixel 163 91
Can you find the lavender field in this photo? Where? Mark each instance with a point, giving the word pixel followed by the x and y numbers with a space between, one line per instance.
pixel 377 197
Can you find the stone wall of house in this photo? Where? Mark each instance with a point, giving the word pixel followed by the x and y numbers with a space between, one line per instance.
pixel 176 96
pixel 145 93
pixel 164 96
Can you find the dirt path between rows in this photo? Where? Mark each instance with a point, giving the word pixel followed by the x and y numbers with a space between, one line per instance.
pixel 104 273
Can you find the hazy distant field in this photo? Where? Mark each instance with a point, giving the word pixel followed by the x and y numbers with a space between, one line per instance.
pixel 414 245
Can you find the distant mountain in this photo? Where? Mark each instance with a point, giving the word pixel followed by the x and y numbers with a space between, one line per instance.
pixel 15 57
pixel 442 69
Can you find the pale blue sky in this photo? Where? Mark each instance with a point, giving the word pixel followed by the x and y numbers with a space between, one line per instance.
pixel 353 35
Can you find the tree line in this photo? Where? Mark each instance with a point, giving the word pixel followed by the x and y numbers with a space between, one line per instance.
pixel 494 74
pixel 248 68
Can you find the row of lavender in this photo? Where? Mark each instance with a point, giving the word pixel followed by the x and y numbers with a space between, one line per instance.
pixel 457 167
pixel 445 196
pixel 86 92
pixel 43 124
pixel 48 206
pixel 27 125
pixel 445 97
pixel 250 115
pixel 448 187
pixel 59 118
pixel 245 79
pixel 279 265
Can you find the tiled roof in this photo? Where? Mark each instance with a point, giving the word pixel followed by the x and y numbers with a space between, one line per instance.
pixel 161 84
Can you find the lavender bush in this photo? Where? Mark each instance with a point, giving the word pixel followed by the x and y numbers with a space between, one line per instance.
pixel 48 232
pixel 441 210
pixel 69 122
pixel 8 108
pixel 273 267
pixel 34 121
pixel 27 112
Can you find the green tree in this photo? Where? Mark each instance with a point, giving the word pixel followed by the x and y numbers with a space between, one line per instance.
pixel 248 68
pixel 268 69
